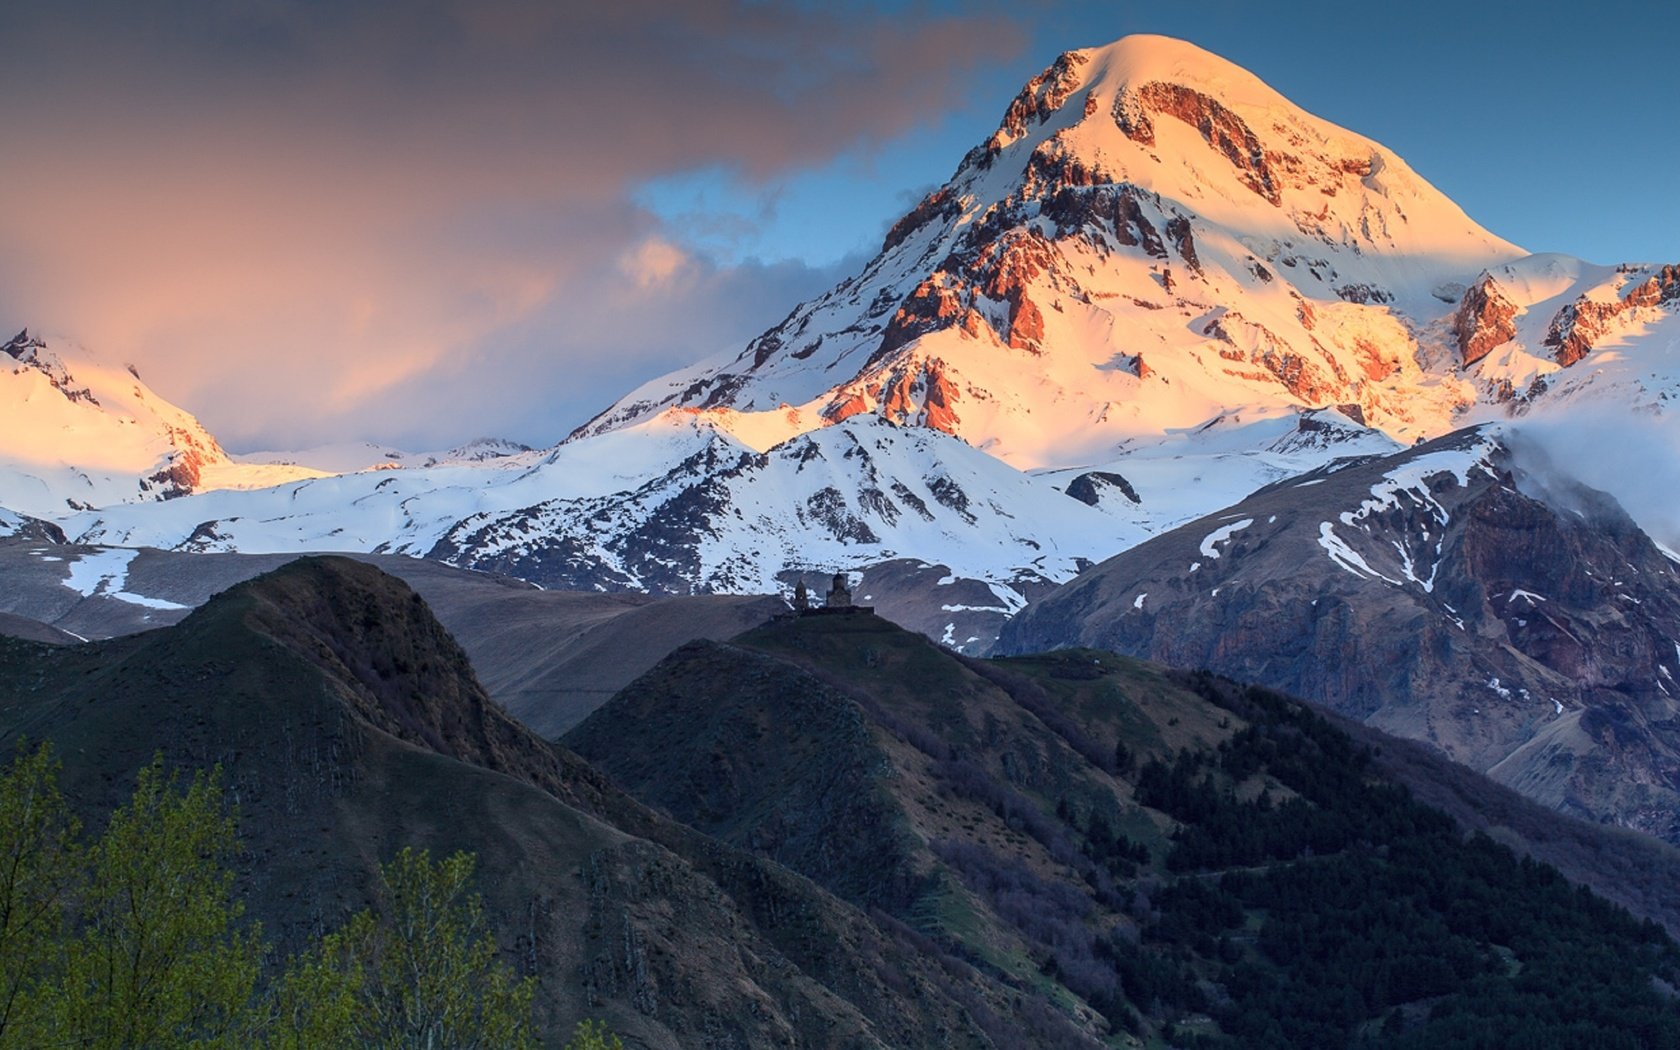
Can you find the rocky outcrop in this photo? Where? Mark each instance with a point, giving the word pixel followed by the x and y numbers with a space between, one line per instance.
pixel 1178 228
pixel 1219 127
pixel 941 204
pixel 913 393
pixel 1579 327
pixel 1316 380
pixel 1053 165
pixel 1364 294
pixel 1038 99
pixel 959 292
pixel 22 526
pixel 1485 319
pixel 32 351
pixel 1115 210
pixel 935 303
pixel 22 347
pixel 1090 487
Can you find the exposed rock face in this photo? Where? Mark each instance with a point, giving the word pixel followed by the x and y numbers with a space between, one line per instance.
pixel 1041 97
pixel 30 350
pixel 1219 128
pixel 1485 319
pixel 22 346
pixel 1454 593
pixel 1115 211
pixel 1547 313
pixel 968 291
pixel 24 527
pixel 181 477
pixel 940 204
pixel 1578 327
pixel 1089 487
pixel 1314 378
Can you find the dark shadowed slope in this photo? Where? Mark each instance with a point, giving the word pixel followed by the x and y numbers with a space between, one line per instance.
pixel 348 725
pixel 1455 593
pixel 14 626
pixel 1117 842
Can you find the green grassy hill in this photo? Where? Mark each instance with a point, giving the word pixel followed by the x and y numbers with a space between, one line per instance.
pixel 1163 858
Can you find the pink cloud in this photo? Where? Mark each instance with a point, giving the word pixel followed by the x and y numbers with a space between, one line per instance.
pixel 289 215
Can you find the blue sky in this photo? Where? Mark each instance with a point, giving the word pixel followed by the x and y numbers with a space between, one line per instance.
pixel 419 223
pixel 1549 123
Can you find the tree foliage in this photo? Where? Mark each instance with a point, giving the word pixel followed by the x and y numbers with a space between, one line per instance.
pixel 1351 915
pixel 593 1035
pixel 316 1001
pixel 160 959
pixel 39 867
pixel 137 939
pixel 420 971
pixel 131 941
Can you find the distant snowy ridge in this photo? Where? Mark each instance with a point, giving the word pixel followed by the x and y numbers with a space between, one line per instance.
pixel 350 456
pixel 79 433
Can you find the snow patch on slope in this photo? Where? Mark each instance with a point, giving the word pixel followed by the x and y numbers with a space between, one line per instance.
pixel 1407 486
pixel 1210 542
pixel 105 572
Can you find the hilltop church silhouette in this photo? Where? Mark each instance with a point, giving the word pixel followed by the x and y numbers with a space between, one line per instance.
pixel 838 599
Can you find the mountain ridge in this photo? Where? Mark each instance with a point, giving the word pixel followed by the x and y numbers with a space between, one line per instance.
pixel 1458 593
pixel 81 434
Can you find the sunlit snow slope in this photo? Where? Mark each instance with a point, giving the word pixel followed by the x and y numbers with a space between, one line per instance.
pixel 79 433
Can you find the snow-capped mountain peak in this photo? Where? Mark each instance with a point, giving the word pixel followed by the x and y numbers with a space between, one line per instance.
pixel 1174 119
pixel 1151 235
